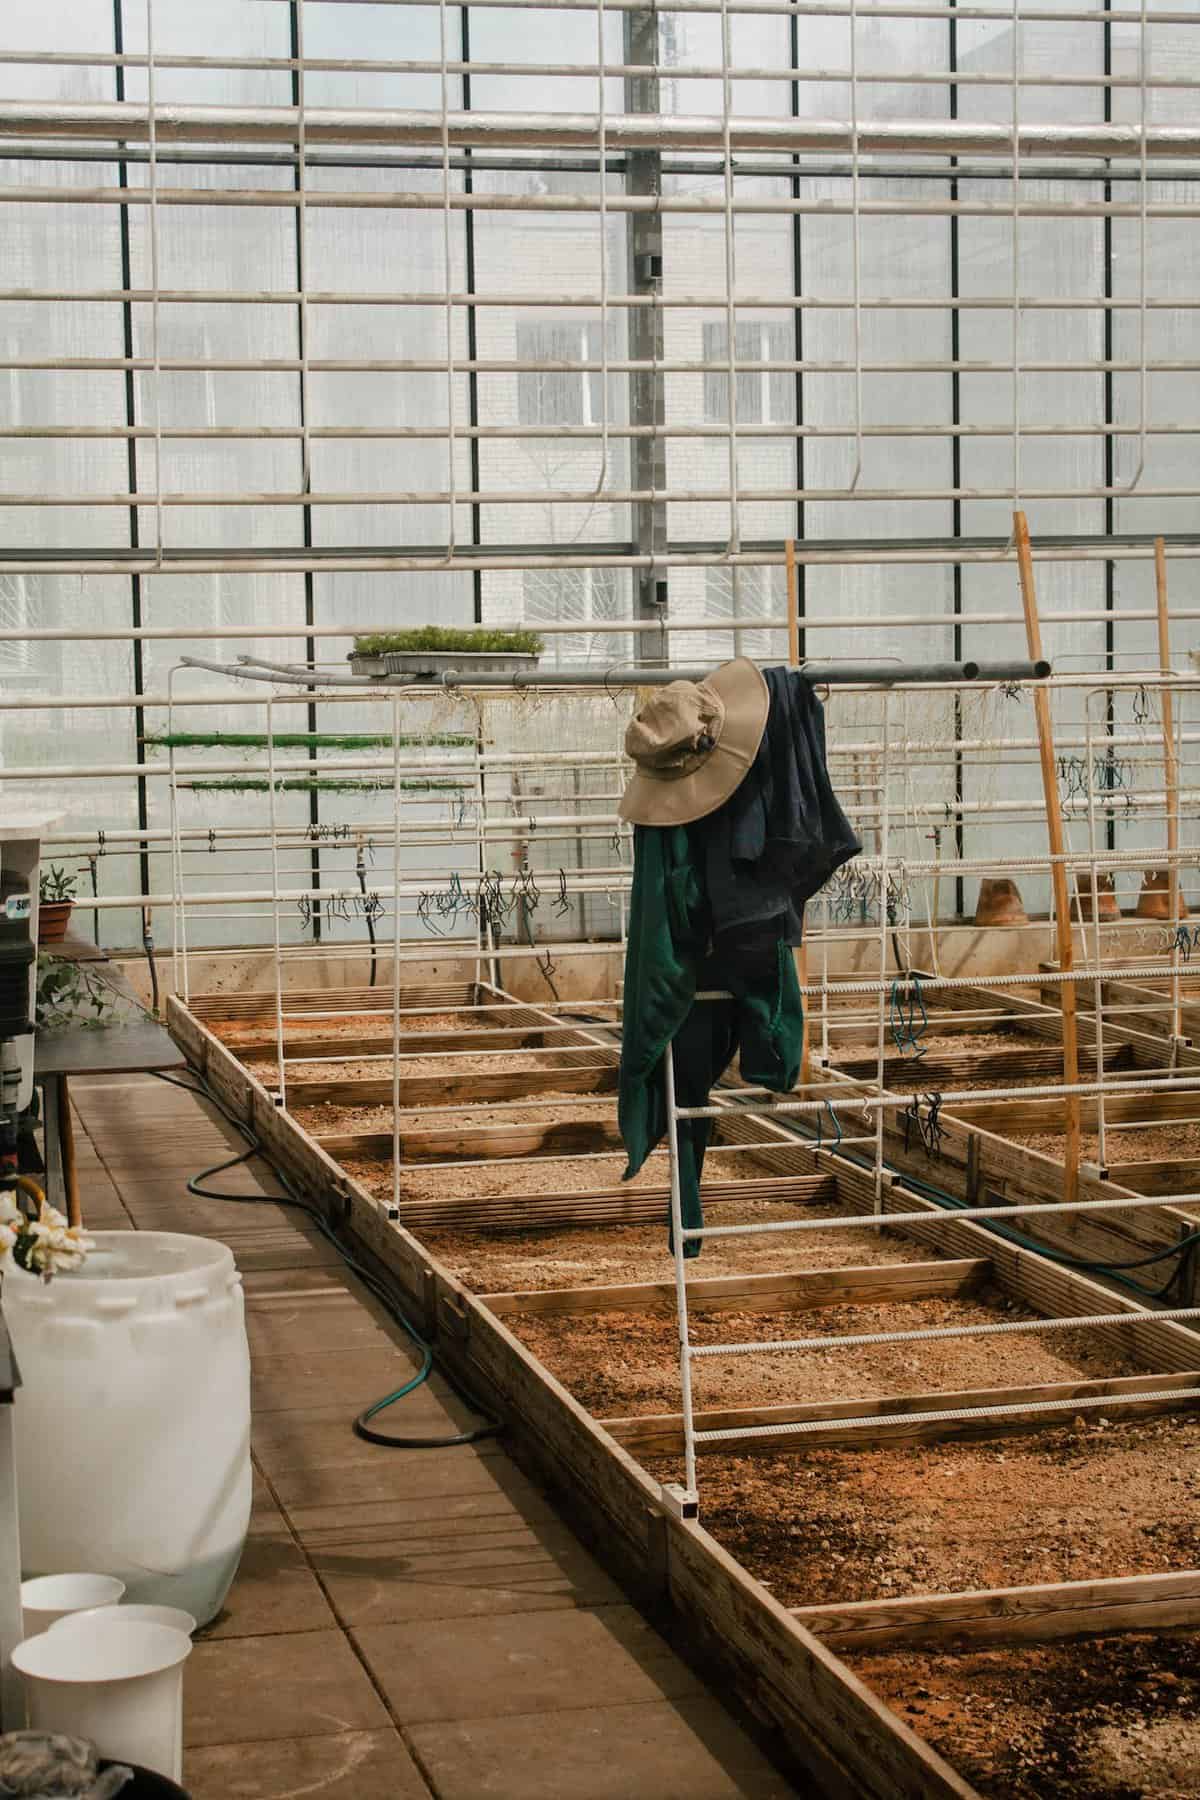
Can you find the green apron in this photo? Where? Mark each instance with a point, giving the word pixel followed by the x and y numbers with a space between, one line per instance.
pixel 670 957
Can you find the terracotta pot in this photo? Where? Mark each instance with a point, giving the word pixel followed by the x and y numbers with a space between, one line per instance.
pixel 53 918
pixel 1105 892
pixel 1000 904
pixel 1154 901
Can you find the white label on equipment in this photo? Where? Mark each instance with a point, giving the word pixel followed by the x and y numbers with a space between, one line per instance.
pixel 18 906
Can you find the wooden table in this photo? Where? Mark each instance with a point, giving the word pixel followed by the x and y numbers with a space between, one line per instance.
pixel 136 1048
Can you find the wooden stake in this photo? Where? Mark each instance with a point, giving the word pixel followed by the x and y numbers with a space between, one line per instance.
pixel 1054 825
pixel 793 616
pixel 1171 766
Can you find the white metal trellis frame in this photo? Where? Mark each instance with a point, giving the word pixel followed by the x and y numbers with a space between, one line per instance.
pixel 155 300
pixel 1104 1086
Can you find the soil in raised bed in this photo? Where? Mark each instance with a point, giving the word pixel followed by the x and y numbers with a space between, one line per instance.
pixel 624 1363
pixel 939 1044
pixel 1149 1144
pixel 498 1062
pixel 538 1175
pixel 540 1109
pixel 532 1175
pixel 611 1254
pixel 1116 1717
pixel 351 1025
pixel 1076 1503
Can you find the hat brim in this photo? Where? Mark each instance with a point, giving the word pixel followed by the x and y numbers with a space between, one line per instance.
pixel 682 799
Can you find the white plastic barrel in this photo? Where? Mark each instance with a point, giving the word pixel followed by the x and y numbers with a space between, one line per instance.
pixel 133 1417
pixel 117 1683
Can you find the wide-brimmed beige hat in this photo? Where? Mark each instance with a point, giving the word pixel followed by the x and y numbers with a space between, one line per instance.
pixel 693 743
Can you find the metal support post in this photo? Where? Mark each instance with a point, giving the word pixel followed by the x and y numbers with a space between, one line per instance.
pixel 681 1302
pixel 647 406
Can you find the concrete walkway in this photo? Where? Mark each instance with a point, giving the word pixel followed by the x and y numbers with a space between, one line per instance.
pixel 404 1623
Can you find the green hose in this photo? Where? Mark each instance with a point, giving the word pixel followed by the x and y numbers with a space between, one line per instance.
pixel 1185 1249
pixel 367 1276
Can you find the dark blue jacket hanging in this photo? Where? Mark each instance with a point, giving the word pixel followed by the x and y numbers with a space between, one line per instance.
pixel 718 904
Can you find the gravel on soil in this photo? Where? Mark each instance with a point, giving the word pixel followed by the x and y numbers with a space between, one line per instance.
pixel 544 1109
pixel 543 1175
pixel 938 1044
pixel 352 1025
pixel 1117 1717
pixel 618 1364
pixel 535 1175
pixel 615 1254
pixel 1092 1499
pixel 496 1062
pixel 1151 1144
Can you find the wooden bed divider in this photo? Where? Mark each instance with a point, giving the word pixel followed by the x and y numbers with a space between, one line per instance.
pixel 811 1288
pixel 661 1434
pixel 479 1084
pixel 620 1205
pixel 1009 1615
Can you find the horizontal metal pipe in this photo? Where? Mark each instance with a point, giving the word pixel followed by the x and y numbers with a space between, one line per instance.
pixel 87 561
pixel 474 200
pixel 367 434
pixel 512 162
pixel 935 1334
pixel 839 9
pixel 943 1415
pixel 547 297
pixel 433 365
pixel 128 121
pixel 781 71
pixel 1108 1088
pixel 876 1221
pixel 824 674
pixel 588 497
pixel 598 628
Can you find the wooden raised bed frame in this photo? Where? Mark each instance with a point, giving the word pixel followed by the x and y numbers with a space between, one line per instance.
pixel 782 1663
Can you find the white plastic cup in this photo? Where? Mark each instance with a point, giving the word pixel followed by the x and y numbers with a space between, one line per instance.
pixel 174 1616
pixel 116 1682
pixel 47 1598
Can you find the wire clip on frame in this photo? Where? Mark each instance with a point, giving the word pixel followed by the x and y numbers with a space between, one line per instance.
pixel 680 1502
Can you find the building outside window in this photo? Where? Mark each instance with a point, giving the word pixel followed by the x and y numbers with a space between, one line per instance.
pixel 760 593
pixel 562 396
pixel 564 595
pixel 764 396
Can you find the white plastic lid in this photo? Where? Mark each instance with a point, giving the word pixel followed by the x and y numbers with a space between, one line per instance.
pixel 102 1650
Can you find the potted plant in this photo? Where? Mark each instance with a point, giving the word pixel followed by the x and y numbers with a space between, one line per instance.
pixel 433 650
pixel 72 995
pixel 56 897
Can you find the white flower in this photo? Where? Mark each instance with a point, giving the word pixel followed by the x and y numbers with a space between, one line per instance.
pixel 46 1245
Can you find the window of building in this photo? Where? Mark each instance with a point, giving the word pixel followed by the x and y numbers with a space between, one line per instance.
pixel 564 395
pixel 760 593
pixel 17 655
pixel 764 396
pixel 560 596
